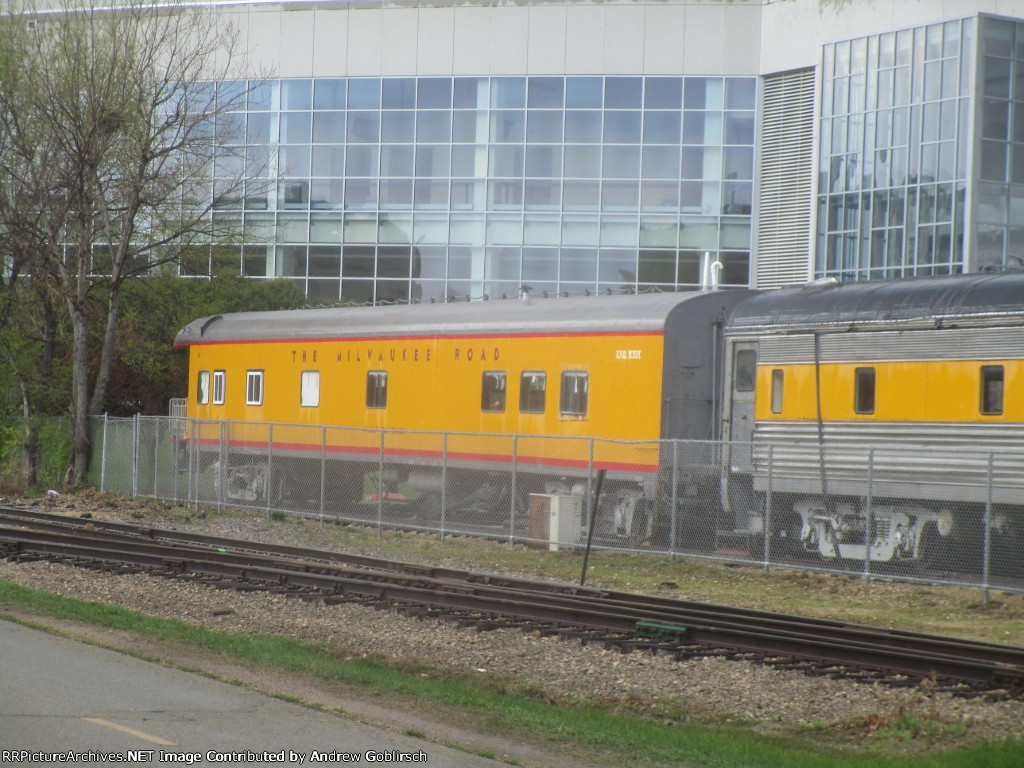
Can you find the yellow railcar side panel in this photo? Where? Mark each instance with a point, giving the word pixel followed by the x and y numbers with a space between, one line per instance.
pixel 435 384
pixel 923 391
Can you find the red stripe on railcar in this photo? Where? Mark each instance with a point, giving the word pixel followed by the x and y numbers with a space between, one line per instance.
pixel 488 458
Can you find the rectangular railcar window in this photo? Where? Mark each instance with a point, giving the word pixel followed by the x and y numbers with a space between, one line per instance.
pixel 533 387
pixel 309 394
pixel 254 388
pixel 376 389
pixel 492 392
pixel 218 387
pixel 778 379
pixel 575 386
pixel 991 390
pixel 745 370
pixel 203 388
pixel 864 390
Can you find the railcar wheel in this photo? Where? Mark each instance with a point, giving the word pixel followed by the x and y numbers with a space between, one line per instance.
pixel 932 551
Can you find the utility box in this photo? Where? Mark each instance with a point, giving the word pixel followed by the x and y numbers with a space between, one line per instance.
pixel 555 521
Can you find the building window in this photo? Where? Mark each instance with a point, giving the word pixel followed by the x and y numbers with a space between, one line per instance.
pixel 203 388
pixel 991 390
pixel 778 378
pixel 574 393
pixel 597 169
pixel 309 393
pixel 492 392
pixel 897 137
pixel 254 388
pixel 745 370
pixel 218 387
pixel 532 390
pixel 864 390
pixel 376 389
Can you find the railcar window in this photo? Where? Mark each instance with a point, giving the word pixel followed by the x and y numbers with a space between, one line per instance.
pixel 991 390
pixel 778 379
pixel 203 388
pixel 254 388
pixel 533 387
pixel 744 370
pixel 218 387
pixel 376 389
pixel 492 392
pixel 575 386
pixel 309 393
pixel 864 390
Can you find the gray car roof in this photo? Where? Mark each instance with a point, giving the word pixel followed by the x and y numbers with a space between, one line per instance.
pixel 975 297
pixel 623 313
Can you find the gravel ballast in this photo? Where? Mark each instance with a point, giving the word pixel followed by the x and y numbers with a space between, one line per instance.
pixel 770 700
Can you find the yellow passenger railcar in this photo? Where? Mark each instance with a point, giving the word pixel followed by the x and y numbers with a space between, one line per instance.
pixel 876 421
pixel 483 384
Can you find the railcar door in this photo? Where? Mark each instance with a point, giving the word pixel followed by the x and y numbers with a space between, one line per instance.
pixel 739 425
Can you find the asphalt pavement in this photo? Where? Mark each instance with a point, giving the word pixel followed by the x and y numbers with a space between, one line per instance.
pixel 66 702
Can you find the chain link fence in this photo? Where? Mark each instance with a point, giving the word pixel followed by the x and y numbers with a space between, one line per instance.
pixel 899 512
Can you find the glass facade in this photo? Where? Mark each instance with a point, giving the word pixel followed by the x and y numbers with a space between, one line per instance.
pixel 440 188
pixel 895 137
pixel 999 199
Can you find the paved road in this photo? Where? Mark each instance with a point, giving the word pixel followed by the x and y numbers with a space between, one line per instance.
pixel 58 695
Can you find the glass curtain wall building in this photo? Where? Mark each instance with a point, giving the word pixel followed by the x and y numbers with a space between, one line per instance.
pixel 440 188
pixel 921 162
pixel 433 150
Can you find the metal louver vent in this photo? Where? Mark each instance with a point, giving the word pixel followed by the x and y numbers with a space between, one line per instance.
pixel 785 192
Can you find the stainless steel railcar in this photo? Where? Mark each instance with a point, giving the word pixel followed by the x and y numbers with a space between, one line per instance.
pixel 892 414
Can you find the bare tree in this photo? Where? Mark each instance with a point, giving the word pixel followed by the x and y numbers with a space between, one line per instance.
pixel 115 127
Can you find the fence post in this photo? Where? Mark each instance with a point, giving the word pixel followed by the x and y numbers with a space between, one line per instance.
pixel 590 470
pixel 223 436
pixel 270 468
pixel 380 487
pixel 869 516
pixel 103 455
pixel 156 457
pixel 444 481
pixel 512 508
pixel 323 470
pixel 135 456
pixel 987 551
pixel 673 500
pixel 768 511
pixel 192 470
pixel 195 460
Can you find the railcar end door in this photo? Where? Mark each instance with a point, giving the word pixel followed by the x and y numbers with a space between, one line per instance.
pixel 739 426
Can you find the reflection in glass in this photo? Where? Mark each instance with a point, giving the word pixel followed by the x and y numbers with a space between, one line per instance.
pixel 490 164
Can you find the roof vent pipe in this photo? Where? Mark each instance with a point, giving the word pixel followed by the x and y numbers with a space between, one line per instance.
pixel 710 273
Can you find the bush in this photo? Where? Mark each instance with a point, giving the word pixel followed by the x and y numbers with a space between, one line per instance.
pixel 54 448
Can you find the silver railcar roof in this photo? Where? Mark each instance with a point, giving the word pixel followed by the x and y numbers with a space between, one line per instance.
pixel 593 314
pixel 975 298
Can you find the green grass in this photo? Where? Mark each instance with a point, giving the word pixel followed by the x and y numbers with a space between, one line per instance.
pixel 591 733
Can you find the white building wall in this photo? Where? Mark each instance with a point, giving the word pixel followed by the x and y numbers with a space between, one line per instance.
pixel 311 39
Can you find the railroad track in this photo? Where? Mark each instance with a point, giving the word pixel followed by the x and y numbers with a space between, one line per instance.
pixel 681 628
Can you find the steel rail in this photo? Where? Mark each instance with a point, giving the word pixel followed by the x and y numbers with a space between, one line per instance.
pixel 666 609
pixel 746 631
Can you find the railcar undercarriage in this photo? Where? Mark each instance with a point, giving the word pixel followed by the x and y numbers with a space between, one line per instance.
pixel 895 530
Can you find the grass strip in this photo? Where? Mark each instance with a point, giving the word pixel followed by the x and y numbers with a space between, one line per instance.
pixel 612 737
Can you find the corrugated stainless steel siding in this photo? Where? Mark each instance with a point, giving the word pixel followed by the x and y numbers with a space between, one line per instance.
pixel 944 462
pixel 860 347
